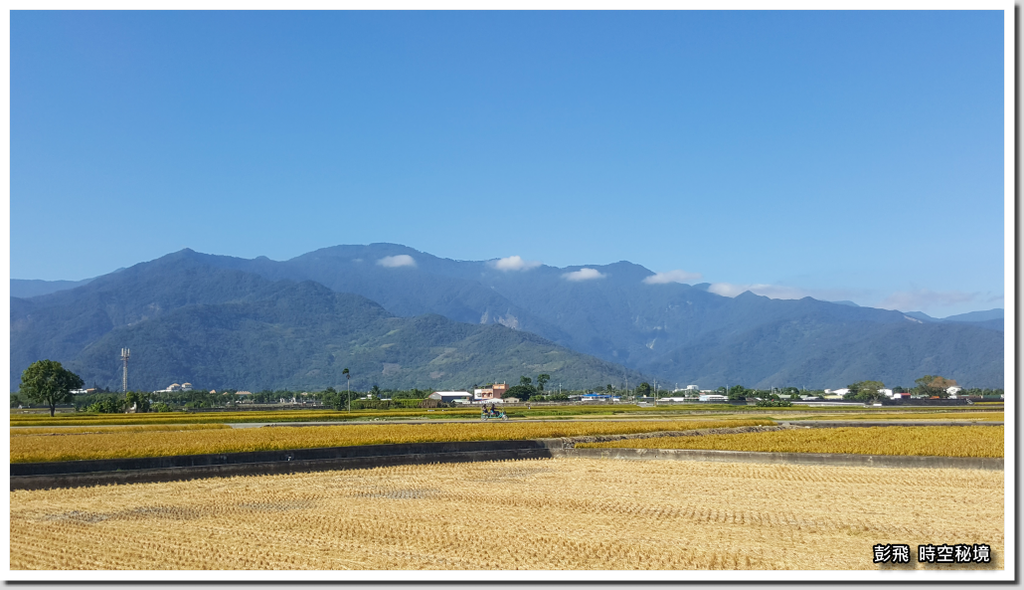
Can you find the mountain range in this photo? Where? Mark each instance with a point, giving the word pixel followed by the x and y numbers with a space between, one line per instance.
pixel 394 313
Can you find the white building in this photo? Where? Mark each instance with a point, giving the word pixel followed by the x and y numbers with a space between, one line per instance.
pixel 450 396
pixel 710 397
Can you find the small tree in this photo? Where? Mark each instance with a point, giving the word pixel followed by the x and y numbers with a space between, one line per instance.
pixel 644 389
pixel 48 382
pixel 541 380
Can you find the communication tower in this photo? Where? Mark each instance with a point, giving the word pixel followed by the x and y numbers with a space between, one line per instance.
pixel 125 353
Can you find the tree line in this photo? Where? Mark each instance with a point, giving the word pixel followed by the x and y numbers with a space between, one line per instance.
pixel 46 382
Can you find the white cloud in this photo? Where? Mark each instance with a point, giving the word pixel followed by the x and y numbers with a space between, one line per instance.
pixel 672 276
pixel 924 299
pixel 514 263
pixel 397 261
pixel 583 274
pixel 930 302
pixel 770 291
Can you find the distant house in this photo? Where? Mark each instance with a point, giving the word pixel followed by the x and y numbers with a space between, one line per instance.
pixel 186 387
pixel 448 397
pixel 710 397
pixel 593 397
pixel 496 391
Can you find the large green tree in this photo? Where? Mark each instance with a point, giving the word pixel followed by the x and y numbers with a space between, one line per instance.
pixel 865 390
pixel 934 385
pixel 542 379
pixel 139 399
pixel 333 398
pixel 739 392
pixel 520 392
pixel 48 382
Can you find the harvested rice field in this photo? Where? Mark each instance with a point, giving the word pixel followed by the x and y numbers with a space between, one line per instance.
pixel 975 416
pixel 564 514
pixel 54 444
pixel 940 441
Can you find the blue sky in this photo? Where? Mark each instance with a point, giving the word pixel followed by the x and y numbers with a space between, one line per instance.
pixel 843 155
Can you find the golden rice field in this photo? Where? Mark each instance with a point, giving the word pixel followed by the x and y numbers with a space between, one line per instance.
pixel 943 441
pixel 99 429
pixel 548 514
pixel 222 417
pixel 148 443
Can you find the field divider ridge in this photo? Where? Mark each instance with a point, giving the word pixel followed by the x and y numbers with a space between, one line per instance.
pixel 59 474
pixel 823 459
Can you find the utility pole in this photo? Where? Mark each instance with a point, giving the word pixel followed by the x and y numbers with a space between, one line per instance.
pixel 348 388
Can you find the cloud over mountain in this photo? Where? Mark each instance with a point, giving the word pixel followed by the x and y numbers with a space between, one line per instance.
pixel 583 274
pixel 513 263
pixel 397 261
pixel 770 291
pixel 925 298
pixel 672 276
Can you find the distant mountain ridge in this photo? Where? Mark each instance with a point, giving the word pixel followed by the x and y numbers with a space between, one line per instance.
pixel 674 332
pixel 35 287
pixel 186 320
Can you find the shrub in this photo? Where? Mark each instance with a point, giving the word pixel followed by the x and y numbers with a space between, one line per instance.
pixel 109 405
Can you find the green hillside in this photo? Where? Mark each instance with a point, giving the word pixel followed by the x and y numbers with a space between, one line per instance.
pixel 302 335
